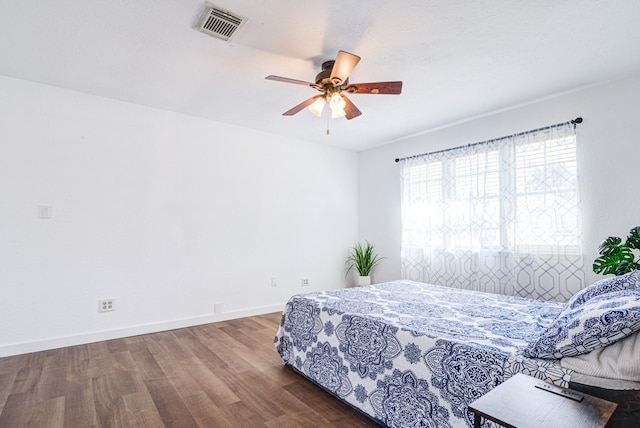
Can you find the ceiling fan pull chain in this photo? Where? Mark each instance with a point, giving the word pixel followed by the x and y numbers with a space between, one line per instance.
pixel 328 119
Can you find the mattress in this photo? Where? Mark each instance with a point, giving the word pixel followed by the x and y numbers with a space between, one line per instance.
pixel 616 366
pixel 414 354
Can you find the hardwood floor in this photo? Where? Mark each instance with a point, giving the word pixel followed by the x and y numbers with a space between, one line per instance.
pixel 225 374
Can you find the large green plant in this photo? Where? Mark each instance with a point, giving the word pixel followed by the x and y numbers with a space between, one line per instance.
pixel 618 257
pixel 362 258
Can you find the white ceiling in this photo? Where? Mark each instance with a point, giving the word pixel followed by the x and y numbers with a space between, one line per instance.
pixel 457 59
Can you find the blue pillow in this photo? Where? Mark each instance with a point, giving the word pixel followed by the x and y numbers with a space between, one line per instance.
pixel 629 281
pixel 594 324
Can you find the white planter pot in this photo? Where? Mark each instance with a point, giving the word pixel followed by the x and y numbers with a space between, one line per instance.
pixel 364 280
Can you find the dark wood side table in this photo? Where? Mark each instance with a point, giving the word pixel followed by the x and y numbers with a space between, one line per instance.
pixel 518 403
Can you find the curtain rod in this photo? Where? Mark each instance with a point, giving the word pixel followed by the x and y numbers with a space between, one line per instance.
pixel 574 122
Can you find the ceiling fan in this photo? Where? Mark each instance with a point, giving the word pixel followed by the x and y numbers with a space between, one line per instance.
pixel 333 83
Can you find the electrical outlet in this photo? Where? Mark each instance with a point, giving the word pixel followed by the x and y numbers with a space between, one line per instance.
pixel 106 305
pixel 274 281
pixel 305 282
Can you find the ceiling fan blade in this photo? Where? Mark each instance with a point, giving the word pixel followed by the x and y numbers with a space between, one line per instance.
pixel 390 88
pixel 301 106
pixel 287 80
pixel 350 109
pixel 344 65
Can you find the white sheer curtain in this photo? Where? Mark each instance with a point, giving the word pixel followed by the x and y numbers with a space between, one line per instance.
pixel 501 216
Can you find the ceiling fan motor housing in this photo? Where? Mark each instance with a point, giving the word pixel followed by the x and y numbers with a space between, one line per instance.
pixel 324 77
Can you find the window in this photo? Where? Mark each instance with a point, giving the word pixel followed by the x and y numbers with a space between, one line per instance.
pixel 546 179
pixel 499 216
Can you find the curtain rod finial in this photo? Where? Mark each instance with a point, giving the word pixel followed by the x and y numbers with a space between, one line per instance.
pixel 576 121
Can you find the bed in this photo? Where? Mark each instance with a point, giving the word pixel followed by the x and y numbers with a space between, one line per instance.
pixel 414 354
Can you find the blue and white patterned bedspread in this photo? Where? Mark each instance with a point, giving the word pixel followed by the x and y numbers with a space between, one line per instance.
pixel 411 354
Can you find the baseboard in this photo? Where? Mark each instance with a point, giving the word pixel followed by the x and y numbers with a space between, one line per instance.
pixel 61 342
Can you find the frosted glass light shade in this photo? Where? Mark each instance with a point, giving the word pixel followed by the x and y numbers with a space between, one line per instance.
pixel 317 106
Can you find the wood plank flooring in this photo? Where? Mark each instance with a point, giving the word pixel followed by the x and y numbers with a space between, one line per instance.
pixel 225 374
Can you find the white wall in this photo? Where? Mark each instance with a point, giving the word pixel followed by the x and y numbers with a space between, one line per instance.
pixel 608 159
pixel 165 213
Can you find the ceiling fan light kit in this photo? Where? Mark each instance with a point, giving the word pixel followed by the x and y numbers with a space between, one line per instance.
pixel 333 83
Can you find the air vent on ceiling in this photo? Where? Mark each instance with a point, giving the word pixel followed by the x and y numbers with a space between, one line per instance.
pixel 219 23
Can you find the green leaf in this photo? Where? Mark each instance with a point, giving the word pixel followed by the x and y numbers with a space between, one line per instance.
pixel 608 263
pixel 605 265
pixel 625 267
pixel 633 240
pixel 610 246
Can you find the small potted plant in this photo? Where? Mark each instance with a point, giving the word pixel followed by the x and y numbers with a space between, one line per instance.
pixel 362 259
pixel 618 257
